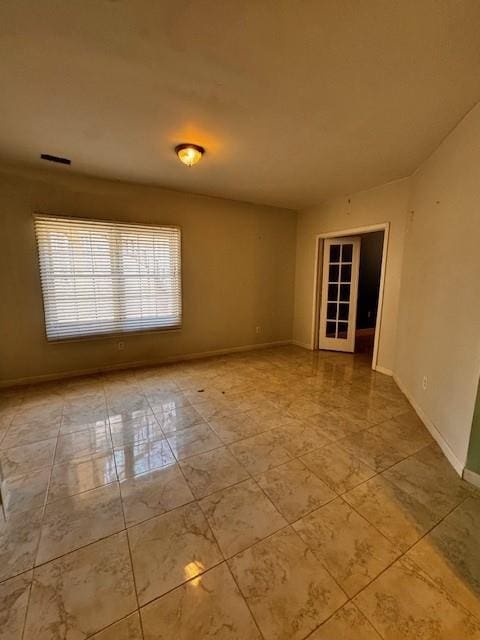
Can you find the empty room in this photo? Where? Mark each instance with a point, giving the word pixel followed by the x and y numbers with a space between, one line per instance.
pixel 240 320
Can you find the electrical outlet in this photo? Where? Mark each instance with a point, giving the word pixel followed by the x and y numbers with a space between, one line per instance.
pixel 258 329
pixel 121 345
pixel 424 383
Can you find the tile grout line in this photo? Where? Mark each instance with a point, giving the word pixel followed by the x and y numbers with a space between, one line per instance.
pixel 37 547
pixel 244 600
pixel 194 501
pixel 125 524
pixel 332 615
pixel 212 493
pixel 217 541
pixel 112 624
pixel 380 635
pixel 404 554
pixel 125 528
pixel 128 537
pixel 289 524
pixel 182 584
pixel 349 599
pixel 235 414
pixel 227 445
pixel 24 623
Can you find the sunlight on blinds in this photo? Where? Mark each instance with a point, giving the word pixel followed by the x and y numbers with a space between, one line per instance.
pixel 102 277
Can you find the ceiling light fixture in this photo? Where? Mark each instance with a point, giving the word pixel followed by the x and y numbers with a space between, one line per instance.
pixel 189 154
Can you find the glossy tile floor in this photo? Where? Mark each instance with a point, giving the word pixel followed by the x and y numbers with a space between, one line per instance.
pixel 276 494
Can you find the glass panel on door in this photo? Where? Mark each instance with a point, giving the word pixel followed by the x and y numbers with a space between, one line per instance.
pixel 339 293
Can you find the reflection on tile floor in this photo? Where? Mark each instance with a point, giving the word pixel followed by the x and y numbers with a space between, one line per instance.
pixel 276 494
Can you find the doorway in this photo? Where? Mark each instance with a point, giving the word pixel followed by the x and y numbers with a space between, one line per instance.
pixel 350 278
pixel 368 291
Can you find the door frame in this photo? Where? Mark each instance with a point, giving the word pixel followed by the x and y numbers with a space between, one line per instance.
pixel 317 285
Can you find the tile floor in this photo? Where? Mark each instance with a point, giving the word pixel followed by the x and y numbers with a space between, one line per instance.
pixel 276 495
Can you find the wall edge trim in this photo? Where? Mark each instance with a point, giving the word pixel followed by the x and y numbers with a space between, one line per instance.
pixel 384 370
pixel 62 375
pixel 435 433
pixel 304 345
pixel 472 477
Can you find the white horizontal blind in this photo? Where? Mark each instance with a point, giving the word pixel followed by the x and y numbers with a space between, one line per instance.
pixel 102 277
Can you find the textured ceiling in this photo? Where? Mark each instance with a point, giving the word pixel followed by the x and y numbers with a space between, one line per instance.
pixel 294 100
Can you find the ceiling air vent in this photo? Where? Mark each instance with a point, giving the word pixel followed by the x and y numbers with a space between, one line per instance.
pixel 47 156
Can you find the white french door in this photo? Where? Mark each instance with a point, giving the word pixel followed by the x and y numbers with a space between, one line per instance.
pixel 338 310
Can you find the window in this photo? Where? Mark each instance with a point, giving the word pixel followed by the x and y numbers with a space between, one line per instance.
pixel 102 277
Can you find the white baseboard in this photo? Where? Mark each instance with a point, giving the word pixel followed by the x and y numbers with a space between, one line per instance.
pixel 138 363
pixel 471 477
pixel 435 433
pixel 384 370
pixel 304 345
pixel 3 515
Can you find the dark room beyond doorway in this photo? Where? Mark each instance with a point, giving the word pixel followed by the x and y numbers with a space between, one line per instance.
pixel 368 290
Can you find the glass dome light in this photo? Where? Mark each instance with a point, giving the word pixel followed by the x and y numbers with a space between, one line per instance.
pixel 189 154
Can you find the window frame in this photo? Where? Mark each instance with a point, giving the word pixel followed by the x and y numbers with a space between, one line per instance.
pixel 111 334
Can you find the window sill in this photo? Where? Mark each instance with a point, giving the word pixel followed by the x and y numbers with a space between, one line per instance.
pixel 112 336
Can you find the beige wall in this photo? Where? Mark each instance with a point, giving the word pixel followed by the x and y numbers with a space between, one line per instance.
pixel 431 320
pixel 239 264
pixel 439 323
pixel 387 203
pixel 238 272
